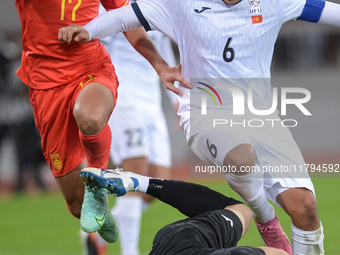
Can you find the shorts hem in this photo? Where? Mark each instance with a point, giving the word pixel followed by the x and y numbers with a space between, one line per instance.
pixel 58 174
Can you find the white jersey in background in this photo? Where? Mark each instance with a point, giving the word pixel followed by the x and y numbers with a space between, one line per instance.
pixel 138 87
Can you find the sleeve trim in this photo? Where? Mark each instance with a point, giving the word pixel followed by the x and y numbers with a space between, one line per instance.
pixel 312 10
pixel 140 16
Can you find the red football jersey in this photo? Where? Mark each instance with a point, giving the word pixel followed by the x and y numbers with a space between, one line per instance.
pixel 47 63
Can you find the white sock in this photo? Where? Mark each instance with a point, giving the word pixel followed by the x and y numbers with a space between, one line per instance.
pixel 99 241
pixel 264 212
pixel 128 213
pixel 307 242
pixel 250 188
pixel 145 206
pixel 142 180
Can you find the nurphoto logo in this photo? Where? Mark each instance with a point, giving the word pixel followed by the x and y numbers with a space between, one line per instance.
pixel 248 102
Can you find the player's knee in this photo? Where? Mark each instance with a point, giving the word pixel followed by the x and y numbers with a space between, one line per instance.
pixel 307 209
pixel 301 206
pixel 241 156
pixel 305 215
pixel 89 122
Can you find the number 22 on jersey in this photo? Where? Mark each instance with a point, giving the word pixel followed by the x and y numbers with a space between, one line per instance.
pixel 75 8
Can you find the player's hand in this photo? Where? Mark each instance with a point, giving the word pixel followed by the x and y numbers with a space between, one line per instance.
pixel 171 74
pixel 76 32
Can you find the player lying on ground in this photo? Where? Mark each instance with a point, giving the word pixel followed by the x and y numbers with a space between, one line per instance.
pixel 215 225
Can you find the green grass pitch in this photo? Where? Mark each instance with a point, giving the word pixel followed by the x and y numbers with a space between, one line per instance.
pixel 41 224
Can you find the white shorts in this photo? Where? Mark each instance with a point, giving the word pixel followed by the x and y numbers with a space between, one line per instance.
pixel 140 133
pixel 274 147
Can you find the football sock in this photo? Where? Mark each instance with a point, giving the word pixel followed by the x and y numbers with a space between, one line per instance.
pixel 99 242
pixel 264 212
pixel 307 242
pixel 128 213
pixel 143 181
pixel 250 188
pixel 97 147
pixel 145 206
pixel 91 243
pixel 189 198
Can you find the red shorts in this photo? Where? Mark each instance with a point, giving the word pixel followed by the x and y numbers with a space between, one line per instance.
pixel 53 113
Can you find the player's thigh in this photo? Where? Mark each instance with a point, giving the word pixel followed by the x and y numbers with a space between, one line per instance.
pixel 281 161
pixel 212 145
pixel 96 97
pixel 61 146
pixel 129 138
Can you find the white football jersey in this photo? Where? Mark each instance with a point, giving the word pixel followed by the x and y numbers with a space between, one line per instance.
pixel 217 40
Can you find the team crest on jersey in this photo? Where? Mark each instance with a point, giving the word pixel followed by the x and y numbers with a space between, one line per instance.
pixel 56 161
pixel 254 3
pixel 255 6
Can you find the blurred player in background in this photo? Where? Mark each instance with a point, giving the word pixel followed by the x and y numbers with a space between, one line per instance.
pixel 215 225
pixel 142 142
pixel 73 90
pixel 235 39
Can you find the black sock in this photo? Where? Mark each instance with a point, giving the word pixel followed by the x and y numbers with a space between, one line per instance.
pixel 189 198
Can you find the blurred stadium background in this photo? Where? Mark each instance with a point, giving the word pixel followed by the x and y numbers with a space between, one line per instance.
pixel 306 55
